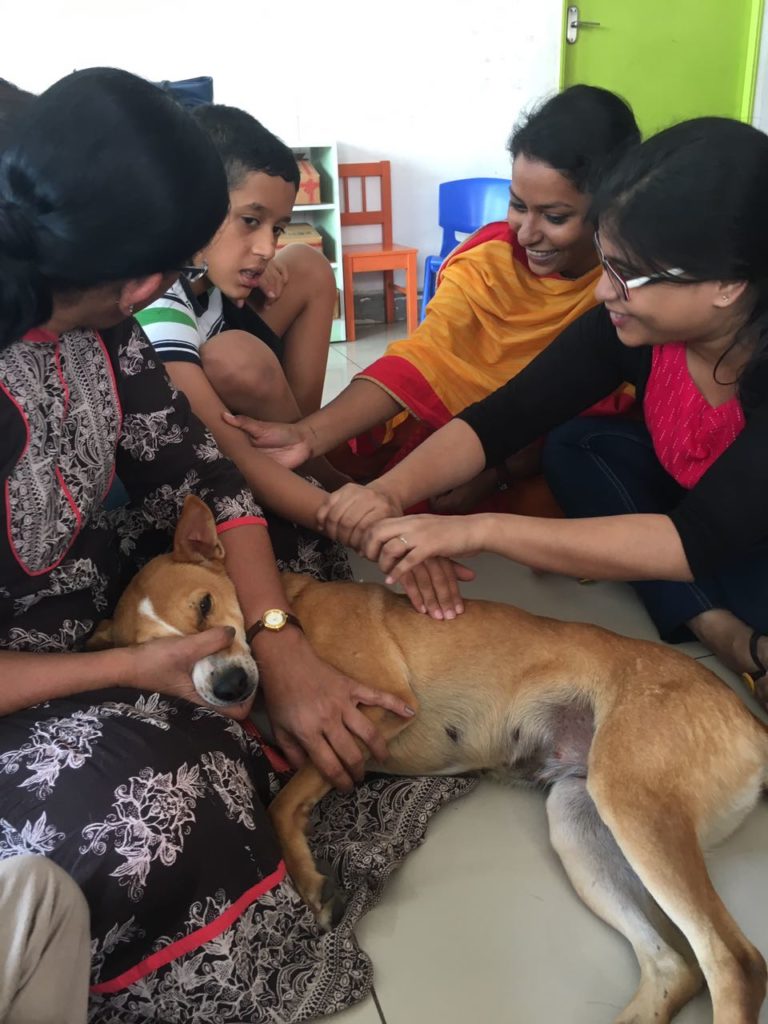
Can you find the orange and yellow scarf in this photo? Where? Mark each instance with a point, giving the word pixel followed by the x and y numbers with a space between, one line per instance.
pixel 489 318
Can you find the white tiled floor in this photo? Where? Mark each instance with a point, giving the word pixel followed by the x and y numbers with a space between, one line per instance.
pixel 481 924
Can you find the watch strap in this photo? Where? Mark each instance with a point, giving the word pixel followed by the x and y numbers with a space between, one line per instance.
pixel 258 626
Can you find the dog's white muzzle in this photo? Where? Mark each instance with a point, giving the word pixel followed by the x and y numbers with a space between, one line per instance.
pixel 223 679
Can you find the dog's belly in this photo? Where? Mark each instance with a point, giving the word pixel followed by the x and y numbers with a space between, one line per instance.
pixel 548 742
pixel 553 746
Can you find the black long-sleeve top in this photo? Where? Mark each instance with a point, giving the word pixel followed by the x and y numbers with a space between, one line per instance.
pixel 724 515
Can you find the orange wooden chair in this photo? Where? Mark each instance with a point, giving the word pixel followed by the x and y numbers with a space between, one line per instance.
pixel 385 256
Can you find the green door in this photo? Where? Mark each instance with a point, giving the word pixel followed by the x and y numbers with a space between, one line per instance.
pixel 671 59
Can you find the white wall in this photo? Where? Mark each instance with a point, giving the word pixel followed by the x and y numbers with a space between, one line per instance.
pixel 760 112
pixel 433 85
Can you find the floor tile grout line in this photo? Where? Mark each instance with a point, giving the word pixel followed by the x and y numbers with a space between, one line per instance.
pixel 349 359
pixel 377 1004
pixel 346 358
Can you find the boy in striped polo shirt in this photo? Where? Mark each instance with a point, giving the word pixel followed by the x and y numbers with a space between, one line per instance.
pixel 246 331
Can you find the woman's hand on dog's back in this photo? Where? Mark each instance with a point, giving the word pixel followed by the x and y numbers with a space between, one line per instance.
pixel 165 666
pixel 315 712
pixel 432 587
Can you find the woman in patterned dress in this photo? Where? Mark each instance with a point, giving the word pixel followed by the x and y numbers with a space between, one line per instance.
pixel 109 765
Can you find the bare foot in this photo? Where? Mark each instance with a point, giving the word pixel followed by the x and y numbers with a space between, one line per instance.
pixel 728 637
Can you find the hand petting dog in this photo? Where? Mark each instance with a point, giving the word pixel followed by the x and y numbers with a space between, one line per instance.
pixel 166 666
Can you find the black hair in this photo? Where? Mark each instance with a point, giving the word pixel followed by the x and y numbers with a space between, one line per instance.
pixel 13 102
pixel 245 145
pixel 104 178
pixel 694 197
pixel 580 132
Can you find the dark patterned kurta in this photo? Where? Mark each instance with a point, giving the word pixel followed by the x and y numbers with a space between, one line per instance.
pixel 154 805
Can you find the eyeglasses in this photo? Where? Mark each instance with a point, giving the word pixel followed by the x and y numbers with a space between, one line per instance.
pixel 193 273
pixel 624 285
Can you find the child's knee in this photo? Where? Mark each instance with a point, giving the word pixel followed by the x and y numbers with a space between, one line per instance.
pixel 239 364
pixel 308 268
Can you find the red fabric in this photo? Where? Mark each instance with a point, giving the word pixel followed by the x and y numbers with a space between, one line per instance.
pixel 398 376
pixel 195 939
pixel 233 524
pixel 688 433
pixel 618 404
pixel 497 231
pixel 403 379
pixel 39 335
pixel 272 754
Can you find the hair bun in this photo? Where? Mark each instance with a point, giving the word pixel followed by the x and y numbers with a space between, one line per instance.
pixel 17 236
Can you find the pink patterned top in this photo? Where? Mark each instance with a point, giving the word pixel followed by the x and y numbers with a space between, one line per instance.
pixel 688 433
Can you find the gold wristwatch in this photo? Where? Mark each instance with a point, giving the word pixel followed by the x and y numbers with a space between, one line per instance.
pixel 274 619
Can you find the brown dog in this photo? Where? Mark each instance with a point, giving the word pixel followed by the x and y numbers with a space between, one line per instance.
pixel 181 593
pixel 645 754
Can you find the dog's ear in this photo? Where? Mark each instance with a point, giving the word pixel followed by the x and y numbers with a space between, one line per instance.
pixel 101 638
pixel 196 539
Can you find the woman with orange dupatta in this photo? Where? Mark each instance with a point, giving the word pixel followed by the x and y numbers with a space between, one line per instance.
pixel 503 296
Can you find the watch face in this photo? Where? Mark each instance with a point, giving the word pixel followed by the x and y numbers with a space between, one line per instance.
pixel 275 618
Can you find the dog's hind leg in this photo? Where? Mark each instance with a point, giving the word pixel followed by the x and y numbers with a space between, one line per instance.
pixel 604 880
pixel 655 832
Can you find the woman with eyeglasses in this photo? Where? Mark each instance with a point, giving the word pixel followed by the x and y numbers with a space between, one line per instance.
pixel 677 503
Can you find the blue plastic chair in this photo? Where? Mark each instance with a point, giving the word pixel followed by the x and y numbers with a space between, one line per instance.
pixel 465 206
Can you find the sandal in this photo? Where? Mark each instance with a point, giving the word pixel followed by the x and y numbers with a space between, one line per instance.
pixel 750 678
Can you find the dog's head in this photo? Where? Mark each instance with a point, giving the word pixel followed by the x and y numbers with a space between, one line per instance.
pixel 183 593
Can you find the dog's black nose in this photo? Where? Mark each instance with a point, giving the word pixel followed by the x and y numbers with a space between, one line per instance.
pixel 231 685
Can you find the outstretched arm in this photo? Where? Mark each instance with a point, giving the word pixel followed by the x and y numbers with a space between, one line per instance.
pixel 448 458
pixel 626 547
pixel 282 490
pixel 164 666
pixel 584 364
pixel 360 406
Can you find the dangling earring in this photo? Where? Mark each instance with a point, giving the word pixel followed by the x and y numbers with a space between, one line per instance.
pixel 130 310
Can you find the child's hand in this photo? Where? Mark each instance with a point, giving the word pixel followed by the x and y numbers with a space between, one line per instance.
pixel 272 282
pixel 352 509
pixel 286 443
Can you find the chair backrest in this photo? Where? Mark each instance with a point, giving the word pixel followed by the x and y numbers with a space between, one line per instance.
pixel 383 214
pixel 469 203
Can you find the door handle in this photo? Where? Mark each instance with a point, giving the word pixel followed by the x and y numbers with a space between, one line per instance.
pixel 573 24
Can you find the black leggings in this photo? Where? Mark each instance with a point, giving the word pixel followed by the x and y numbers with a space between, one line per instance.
pixel 602 466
